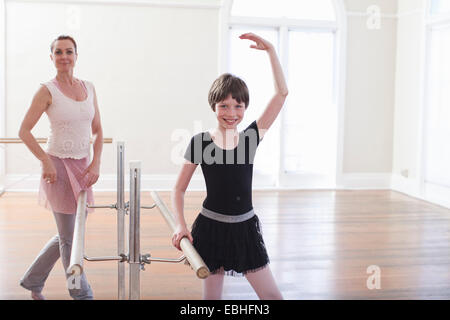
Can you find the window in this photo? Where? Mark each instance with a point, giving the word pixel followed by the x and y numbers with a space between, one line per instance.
pixel 439 7
pixel 437 105
pixel 294 9
pixel 310 117
pixel 302 143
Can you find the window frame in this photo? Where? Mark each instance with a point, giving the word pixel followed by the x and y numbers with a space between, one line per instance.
pixel 2 94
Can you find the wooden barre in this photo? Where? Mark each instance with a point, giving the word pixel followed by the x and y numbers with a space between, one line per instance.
pixel 189 251
pixel 41 140
pixel 77 254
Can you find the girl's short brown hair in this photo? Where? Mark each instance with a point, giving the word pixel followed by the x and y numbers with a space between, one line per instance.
pixel 63 37
pixel 228 84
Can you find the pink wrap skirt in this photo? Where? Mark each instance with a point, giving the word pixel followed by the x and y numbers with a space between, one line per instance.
pixel 61 196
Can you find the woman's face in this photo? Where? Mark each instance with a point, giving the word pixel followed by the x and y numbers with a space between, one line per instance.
pixel 229 112
pixel 63 55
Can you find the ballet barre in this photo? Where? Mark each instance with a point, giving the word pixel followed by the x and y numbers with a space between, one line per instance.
pixel 186 246
pixel 40 140
pixel 76 258
pixel 135 259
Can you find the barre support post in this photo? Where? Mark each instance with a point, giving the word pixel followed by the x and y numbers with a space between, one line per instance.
pixel 120 206
pixel 134 236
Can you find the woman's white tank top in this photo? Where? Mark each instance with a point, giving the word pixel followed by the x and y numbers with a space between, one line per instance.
pixel 70 123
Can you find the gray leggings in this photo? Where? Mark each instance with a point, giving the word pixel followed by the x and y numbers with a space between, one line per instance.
pixel 58 246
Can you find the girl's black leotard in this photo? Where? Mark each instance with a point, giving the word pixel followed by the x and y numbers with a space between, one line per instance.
pixel 228 248
pixel 228 173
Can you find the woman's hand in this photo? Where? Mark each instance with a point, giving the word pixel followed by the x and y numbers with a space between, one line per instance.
pixel 180 233
pixel 48 170
pixel 92 172
pixel 260 43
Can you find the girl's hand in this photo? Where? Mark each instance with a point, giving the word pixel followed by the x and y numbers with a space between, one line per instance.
pixel 93 172
pixel 179 234
pixel 260 43
pixel 48 171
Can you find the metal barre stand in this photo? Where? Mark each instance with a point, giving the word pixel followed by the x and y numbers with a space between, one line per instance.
pixel 134 258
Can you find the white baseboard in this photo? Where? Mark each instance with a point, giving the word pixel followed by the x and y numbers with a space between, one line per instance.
pixel 409 186
pixel 437 194
pixel 431 193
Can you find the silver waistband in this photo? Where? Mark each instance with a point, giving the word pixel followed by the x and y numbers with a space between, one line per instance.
pixel 227 218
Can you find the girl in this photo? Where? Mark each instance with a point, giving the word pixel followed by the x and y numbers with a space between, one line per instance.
pixel 227 233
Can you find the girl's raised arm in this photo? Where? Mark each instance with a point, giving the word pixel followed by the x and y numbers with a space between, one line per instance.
pixel 281 91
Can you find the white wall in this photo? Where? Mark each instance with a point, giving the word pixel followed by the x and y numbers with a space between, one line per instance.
pixel 368 118
pixel 2 90
pixel 152 66
pixel 408 100
pixel 408 175
pixel 370 90
pixel 388 7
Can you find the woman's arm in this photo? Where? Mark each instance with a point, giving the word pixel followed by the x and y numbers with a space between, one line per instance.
pixel 187 170
pixel 97 132
pixel 41 100
pixel 281 91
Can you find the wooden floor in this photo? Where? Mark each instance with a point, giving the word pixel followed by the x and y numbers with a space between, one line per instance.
pixel 320 244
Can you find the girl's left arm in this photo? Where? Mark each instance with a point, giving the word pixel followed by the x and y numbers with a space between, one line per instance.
pixel 94 168
pixel 281 91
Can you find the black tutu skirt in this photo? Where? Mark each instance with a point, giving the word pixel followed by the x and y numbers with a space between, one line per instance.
pixel 232 249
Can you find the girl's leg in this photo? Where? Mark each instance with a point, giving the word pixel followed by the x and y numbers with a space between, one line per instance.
pixel 264 284
pixel 66 226
pixel 212 287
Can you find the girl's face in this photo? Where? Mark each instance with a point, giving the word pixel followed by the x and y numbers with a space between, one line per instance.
pixel 229 113
pixel 63 55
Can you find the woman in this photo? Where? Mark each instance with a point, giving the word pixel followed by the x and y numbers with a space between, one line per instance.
pixel 71 106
